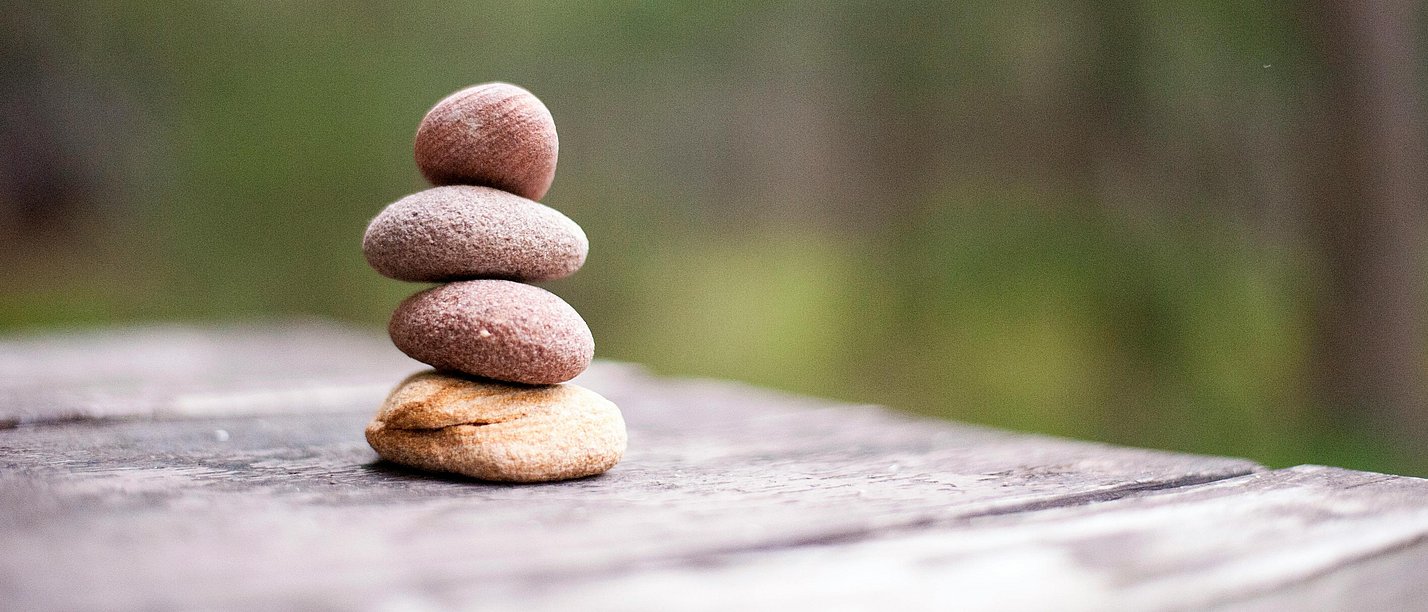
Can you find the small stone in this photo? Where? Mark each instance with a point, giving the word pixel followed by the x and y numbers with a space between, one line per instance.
pixel 495 329
pixel 497 431
pixel 494 134
pixel 462 232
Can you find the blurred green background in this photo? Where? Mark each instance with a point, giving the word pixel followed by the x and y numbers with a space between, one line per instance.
pixel 1189 225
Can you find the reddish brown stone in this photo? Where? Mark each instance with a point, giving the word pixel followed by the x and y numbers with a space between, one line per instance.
pixel 494 329
pixel 494 134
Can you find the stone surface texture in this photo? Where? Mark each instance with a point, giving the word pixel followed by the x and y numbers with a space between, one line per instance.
pixel 496 431
pixel 462 232
pixel 494 134
pixel 496 329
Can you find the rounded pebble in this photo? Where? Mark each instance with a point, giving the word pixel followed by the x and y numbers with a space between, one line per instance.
pixel 463 232
pixel 494 134
pixel 494 329
pixel 496 431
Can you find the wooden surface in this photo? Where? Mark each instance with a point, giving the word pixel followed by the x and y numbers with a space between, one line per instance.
pixel 180 468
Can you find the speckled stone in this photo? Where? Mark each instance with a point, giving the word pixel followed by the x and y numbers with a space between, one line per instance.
pixel 493 134
pixel 496 431
pixel 494 329
pixel 463 232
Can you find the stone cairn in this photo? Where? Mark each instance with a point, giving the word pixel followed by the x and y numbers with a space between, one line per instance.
pixel 497 406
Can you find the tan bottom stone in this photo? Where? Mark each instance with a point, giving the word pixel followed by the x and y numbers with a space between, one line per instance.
pixel 496 431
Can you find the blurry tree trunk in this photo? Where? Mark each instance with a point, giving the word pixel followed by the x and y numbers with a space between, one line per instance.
pixel 1107 112
pixel 1367 148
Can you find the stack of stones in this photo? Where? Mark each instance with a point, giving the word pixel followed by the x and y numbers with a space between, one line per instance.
pixel 496 406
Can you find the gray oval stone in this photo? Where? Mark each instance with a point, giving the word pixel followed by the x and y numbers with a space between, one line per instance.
pixel 494 329
pixel 463 232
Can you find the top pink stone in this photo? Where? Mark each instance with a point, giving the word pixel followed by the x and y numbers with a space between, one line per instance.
pixel 495 135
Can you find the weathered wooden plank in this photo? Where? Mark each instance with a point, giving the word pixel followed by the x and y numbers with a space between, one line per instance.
pixel 1391 578
pixel 264 496
pixel 174 370
pixel 292 509
pixel 1306 538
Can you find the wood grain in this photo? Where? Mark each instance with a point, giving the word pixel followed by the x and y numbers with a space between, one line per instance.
pixel 729 496
pixel 1307 538
pixel 176 371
